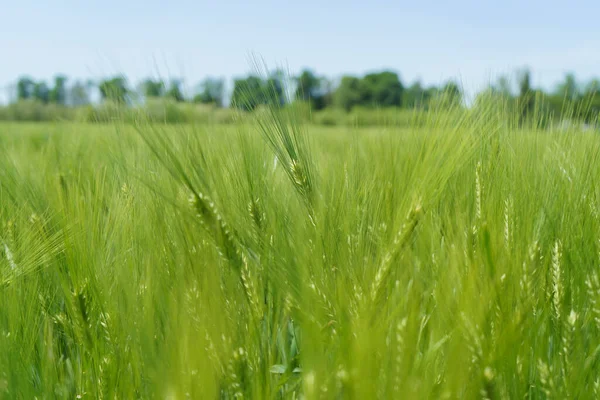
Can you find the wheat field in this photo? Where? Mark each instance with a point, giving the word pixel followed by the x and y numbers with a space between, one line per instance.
pixel 271 259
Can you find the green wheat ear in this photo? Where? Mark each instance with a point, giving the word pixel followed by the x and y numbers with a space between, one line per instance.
pixel 455 257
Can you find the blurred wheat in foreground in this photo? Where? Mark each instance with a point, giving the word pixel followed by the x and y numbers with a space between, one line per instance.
pixel 272 259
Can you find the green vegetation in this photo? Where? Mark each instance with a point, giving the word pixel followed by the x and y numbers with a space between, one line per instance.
pixel 327 100
pixel 268 258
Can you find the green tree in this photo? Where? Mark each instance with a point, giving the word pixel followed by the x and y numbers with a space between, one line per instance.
pixel 153 88
pixel 248 93
pixel 328 89
pixel 591 101
pixel 312 89
pixel 526 100
pixel 308 85
pixel 431 95
pixel 79 95
pixel 25 88
pixel 453 93
pixel 416 96
pixel 349 93
pixel 566 100
pixel 382 89
pixel 446 97
pixel 58 94
pixel 41 92
pixel 274 89
pixel 503 87
pixel 174 91
pixel 114 89
pixel 211 91
pixel 568 89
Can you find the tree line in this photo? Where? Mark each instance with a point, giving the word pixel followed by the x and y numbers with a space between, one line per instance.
pixel 569 99
pixel 378 89
pixel 382 89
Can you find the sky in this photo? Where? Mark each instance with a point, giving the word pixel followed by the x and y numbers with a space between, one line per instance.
pixel 473 42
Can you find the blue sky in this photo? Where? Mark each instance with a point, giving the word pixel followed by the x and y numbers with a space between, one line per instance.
pixel 473 41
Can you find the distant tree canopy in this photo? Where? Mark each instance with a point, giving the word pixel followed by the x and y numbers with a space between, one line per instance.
pixel 503 86
pixel 153 88
pixel 569 99
pixel 250 92
pixel 174 91
pixel 381 89
pixel 114 89
pixel 415 96
pixel 349 93
pixel 25 88
pixel 592 100
pixel 41 92
pixel 449 95
pixel 79 93
pixel 568 88
pixel 274 88
pixel 211 91
pixel 312 89
pixel 58 94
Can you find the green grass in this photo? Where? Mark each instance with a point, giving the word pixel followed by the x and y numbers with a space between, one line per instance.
pixel 274 260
